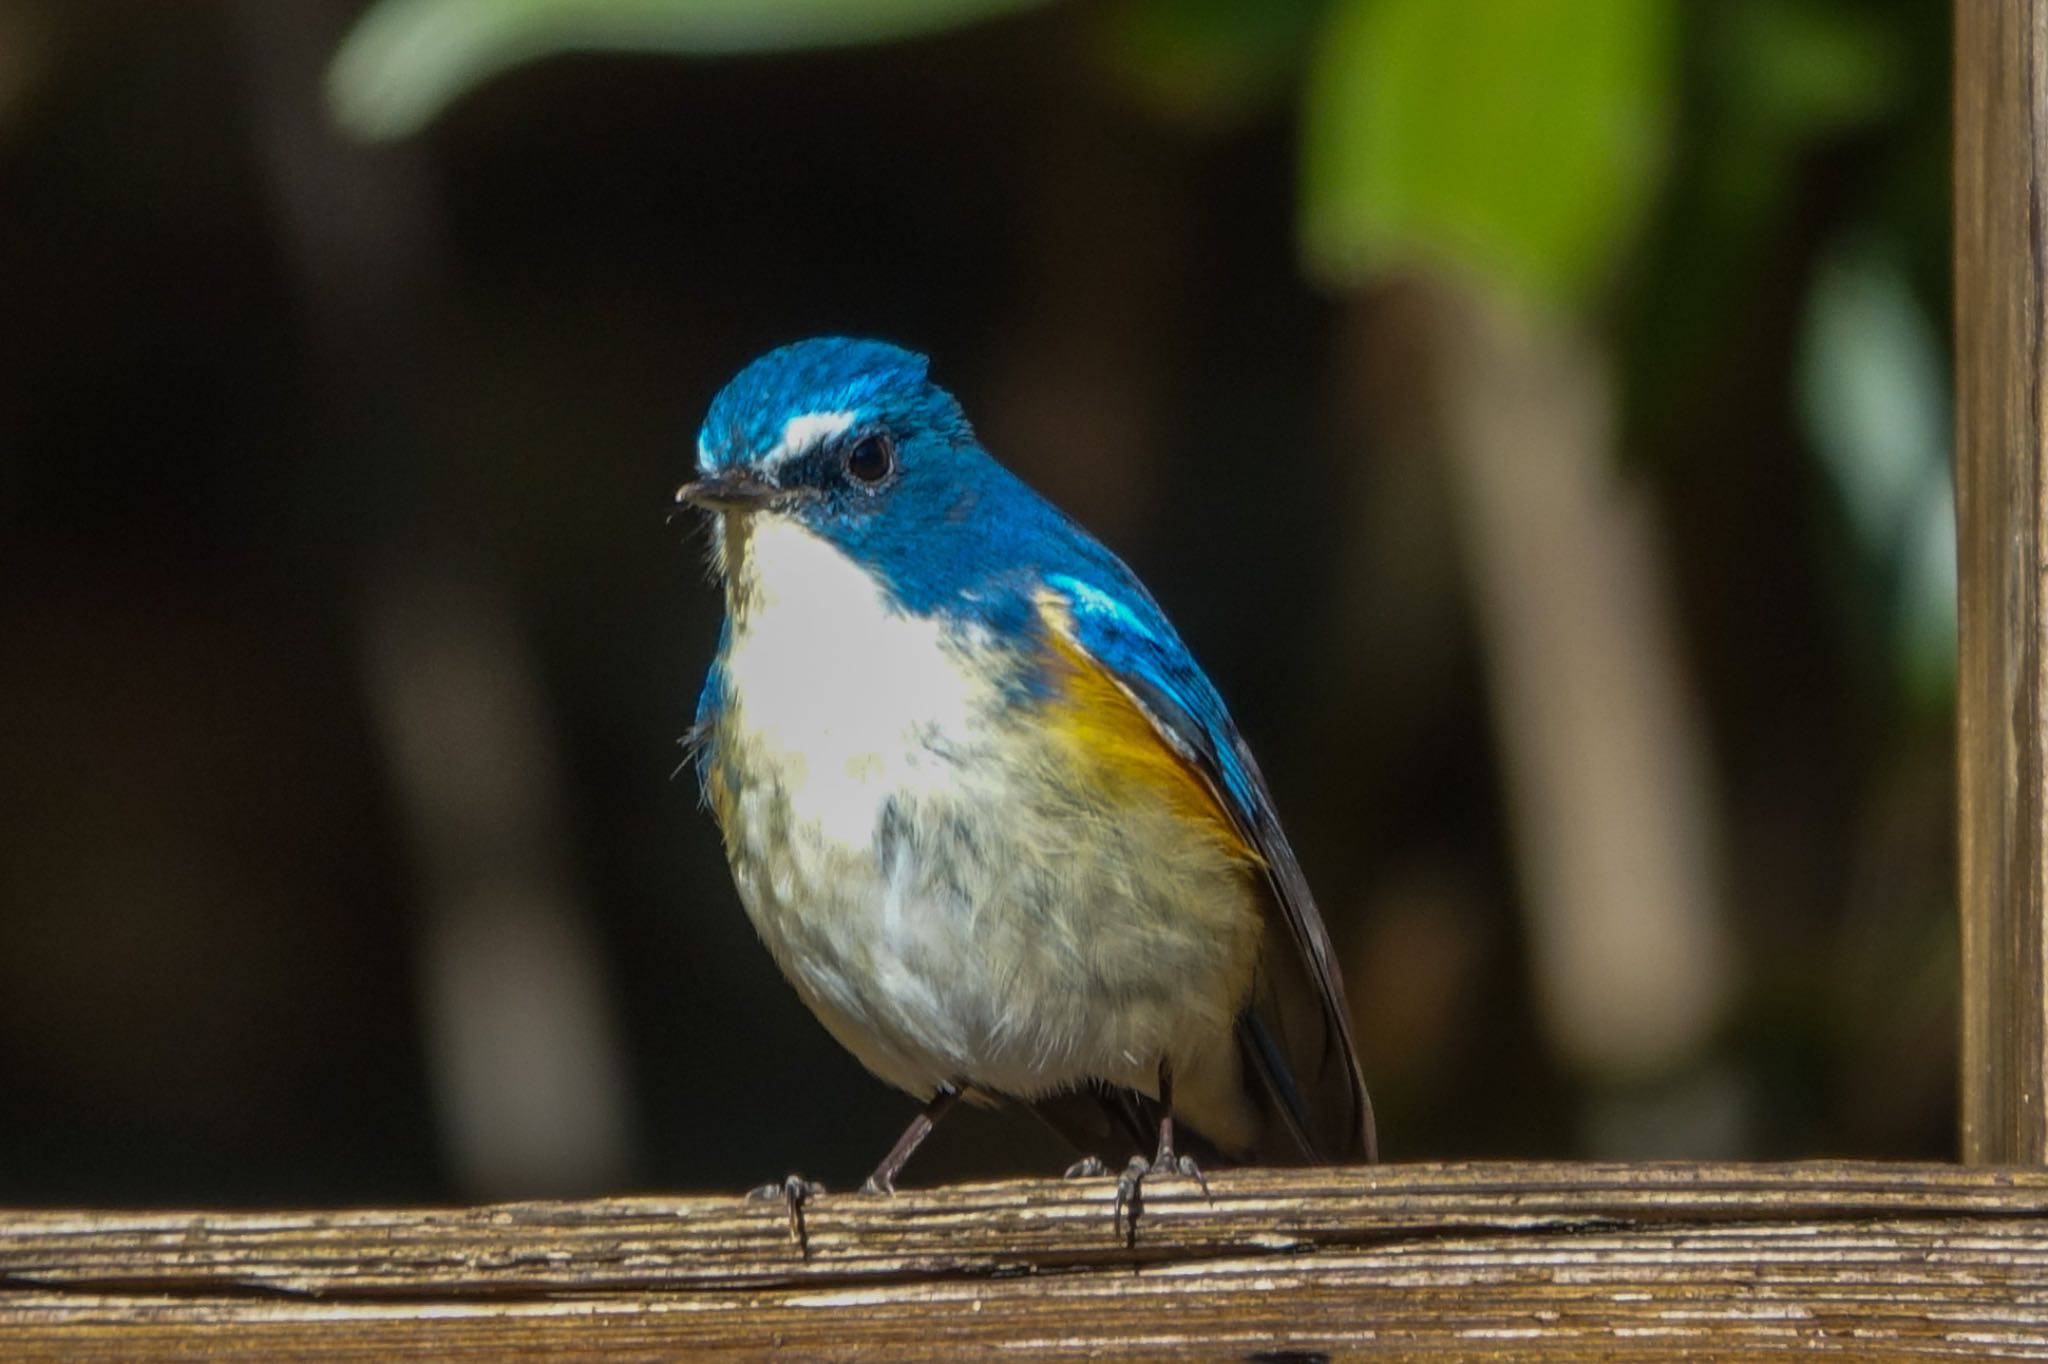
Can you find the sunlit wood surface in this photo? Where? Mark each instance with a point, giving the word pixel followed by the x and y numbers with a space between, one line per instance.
pixel 2001 302
pixel 1472 1261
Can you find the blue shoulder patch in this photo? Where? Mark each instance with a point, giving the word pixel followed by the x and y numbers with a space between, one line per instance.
pixel 1128 634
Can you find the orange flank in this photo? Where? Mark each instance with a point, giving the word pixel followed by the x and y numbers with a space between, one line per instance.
pixel 1115 741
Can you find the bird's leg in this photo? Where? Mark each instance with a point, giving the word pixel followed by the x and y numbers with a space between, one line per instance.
pixel 883 1180
pixel 1164 1161
pixel 1130 1184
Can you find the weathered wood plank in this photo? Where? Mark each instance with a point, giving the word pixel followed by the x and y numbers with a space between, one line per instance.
pixel 2001 300
pixel 1481 1261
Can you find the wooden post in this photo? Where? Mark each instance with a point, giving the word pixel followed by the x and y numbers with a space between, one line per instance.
pixel 2001 265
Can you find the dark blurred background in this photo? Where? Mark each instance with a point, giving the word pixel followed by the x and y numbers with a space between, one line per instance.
pixel 1535 416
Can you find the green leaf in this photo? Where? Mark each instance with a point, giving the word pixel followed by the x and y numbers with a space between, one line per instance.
pixel 1516 141
pixel 407 60
pixel 1207 60
pixel 1809 68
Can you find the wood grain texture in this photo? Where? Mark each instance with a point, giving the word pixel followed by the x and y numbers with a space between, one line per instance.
pixel 2001 213
pixel 1483 1261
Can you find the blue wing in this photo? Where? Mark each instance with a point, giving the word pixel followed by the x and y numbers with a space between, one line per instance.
pixel 1293 1034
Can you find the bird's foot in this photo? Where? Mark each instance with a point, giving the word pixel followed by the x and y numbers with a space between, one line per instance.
pixel 878 1183
pixel 1130 1186
pixel 792 1188
pixel 794 1191
pixel 1087 1167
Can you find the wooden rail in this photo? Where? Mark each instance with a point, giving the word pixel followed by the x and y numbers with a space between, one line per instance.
pixel 1470 1261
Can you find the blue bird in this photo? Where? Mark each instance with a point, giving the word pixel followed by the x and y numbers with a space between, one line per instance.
pixel 985 810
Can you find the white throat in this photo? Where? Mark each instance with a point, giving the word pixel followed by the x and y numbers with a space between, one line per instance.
pixel 846 697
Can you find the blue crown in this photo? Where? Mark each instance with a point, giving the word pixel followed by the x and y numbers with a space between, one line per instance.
pixel 823 374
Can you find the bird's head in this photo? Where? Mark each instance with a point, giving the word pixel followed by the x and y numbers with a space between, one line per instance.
pixel 826 430
pixel 851 441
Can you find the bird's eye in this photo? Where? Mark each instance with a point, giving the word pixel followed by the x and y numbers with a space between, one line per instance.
pixel 871 459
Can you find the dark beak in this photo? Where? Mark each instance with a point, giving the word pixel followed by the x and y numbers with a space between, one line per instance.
pixel 734 492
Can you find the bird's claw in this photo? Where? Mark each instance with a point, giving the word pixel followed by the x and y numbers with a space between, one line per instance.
pixel 1130 1187
pixel 1186 1168
pixel 794 1191
pixel 1087 1167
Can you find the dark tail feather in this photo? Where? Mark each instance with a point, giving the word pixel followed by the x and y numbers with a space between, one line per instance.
pixel 1298 1065
pixel 1289 1135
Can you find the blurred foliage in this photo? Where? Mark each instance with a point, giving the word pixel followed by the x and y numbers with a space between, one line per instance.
pixel 1874 394
pixel 1769 84
pixel 407 60
pixel 1799 68
pixel 1518 143
pixel 1208 60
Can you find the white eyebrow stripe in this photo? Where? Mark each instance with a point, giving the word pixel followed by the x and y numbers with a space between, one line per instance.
pixel 802 434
